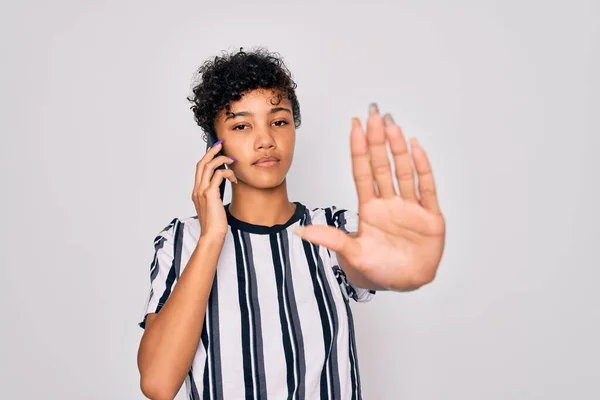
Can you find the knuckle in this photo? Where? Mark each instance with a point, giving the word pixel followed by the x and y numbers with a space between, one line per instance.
pixel 401 153
pixel 381 168
pixel 404 175
pixel 427 191
pixel 362 177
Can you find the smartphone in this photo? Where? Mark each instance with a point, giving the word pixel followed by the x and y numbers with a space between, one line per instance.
pixel 211 139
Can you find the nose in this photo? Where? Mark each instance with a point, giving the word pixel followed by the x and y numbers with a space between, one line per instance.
pixel 265 139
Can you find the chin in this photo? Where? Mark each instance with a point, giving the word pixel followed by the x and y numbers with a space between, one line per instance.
pixel 264 179
pixel 267 183
pixel 263 182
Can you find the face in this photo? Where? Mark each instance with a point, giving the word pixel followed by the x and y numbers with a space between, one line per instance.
pixel 259 132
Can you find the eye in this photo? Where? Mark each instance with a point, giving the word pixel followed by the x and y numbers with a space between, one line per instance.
pixel 240 127
pixel 280 123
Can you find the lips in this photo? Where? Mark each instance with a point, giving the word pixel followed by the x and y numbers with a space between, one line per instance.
pixel 266 161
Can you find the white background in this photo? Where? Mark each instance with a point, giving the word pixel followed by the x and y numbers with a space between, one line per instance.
pixel 98 150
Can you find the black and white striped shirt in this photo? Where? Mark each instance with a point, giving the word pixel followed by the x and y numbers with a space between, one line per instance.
pixel 278 322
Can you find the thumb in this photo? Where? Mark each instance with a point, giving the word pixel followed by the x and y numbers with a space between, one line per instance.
pixel 327 236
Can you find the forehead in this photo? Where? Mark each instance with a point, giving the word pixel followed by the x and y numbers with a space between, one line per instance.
pixel 259 99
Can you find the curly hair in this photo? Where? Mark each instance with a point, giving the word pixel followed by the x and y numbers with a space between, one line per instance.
pixel 227 78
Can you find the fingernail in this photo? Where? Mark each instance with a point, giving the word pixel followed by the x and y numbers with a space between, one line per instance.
pixel 234 160
pixel 355 122
pixel 388 120
pixel 298 230
pixel 373 109
pixel 414 142
pixel 218 143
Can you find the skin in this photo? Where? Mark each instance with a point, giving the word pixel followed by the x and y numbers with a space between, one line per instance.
pixel 401 234
pixel 398 245
pixel 255 128
pixel 259 125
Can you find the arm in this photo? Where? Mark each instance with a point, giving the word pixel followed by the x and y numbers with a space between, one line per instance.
pixel 171 337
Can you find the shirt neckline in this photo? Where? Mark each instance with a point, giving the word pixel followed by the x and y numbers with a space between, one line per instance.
pixel 235 223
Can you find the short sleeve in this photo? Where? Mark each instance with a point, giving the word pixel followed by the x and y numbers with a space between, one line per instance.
pixel 347 221
pixel 164 269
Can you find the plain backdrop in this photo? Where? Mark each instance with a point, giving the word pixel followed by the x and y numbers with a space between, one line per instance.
pixel 98 151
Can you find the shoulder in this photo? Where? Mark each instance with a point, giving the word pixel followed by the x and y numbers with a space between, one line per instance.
pixel 178 228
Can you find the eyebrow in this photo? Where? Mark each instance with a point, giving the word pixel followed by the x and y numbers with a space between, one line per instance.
pixel 273 110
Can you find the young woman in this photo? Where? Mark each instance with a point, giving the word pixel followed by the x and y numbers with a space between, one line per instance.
pixel 251 300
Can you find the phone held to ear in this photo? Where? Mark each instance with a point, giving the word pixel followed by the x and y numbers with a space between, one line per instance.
pixel 211 139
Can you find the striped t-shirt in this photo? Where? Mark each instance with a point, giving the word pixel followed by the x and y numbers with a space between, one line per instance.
pixel 278 322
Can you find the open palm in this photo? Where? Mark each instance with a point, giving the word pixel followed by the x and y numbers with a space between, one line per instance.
pixel 400 238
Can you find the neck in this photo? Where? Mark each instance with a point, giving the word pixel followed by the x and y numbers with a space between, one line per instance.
pixel 266 207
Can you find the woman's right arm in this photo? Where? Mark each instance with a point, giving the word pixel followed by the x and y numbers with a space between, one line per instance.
pixel 171 336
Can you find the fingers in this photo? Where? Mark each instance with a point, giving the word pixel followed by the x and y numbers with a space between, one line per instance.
pixel 218 177
pixel 361 165
pixel 210 154
pixel 427 190
pixel 404 170
pixel 380 163
pixel 333 238
pixel 209 170
pixel 371 166
pixel 206 166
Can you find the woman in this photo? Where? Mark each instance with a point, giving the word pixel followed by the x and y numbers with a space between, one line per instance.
pixel 251 299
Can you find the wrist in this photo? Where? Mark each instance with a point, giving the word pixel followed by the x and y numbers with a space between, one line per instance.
pixel 212 239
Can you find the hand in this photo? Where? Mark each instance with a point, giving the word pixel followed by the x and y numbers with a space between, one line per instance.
pixel 206 195
pixel 400 236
